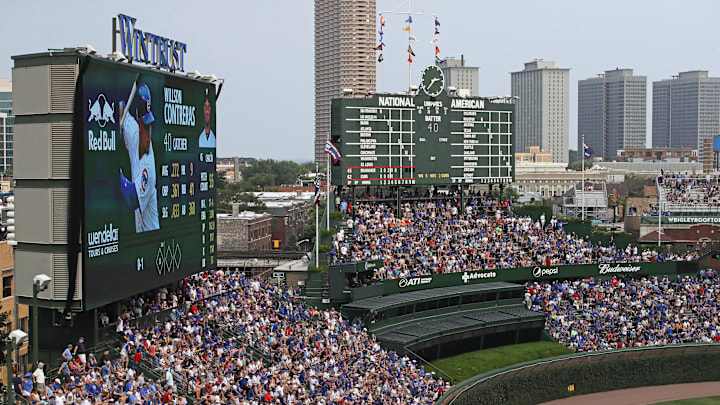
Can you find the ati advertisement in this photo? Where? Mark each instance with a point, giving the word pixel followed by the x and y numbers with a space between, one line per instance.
pixel 149 172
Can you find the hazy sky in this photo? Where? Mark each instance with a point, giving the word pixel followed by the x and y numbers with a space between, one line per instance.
pixel 264 49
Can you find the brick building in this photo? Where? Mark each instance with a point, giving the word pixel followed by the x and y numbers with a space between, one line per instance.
pixel 17 314
pixel 244 231
pixel 682 154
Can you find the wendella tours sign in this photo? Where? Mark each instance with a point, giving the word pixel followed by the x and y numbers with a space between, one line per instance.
pixel 406 284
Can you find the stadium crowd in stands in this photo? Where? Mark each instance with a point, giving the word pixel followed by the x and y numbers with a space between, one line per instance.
pixel 691 190
pixel 244 342
pixel 589 315
pixel 431 237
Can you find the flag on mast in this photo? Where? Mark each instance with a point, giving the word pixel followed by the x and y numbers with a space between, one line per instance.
pixel 588 151
pixel 316 199
pixel 333 151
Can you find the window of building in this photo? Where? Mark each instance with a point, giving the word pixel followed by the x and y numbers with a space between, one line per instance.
pixel 7 286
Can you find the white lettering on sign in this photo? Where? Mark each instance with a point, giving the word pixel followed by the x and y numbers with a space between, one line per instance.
pixel 468 103
pixel 396 102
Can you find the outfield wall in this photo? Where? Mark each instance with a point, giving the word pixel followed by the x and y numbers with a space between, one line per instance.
pixel 571 375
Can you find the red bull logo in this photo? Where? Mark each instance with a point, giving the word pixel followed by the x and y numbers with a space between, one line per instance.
pixel 101 112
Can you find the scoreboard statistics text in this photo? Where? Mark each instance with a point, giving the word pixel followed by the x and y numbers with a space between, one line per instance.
pixel 149 179
pixel 398 139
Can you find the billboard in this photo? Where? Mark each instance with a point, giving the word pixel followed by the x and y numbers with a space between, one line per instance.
pixel 402 139
pixel 149 171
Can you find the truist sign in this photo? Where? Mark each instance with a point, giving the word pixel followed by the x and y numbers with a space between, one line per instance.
pixel 151 49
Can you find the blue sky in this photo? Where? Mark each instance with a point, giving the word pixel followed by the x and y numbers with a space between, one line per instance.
pixel 264 49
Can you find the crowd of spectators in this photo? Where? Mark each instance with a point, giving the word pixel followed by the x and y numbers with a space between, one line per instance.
pixel 242 342
pixel 687 190
pixel 430 237
pixel 588 315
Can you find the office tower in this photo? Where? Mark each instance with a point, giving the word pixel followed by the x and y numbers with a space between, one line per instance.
pixel 6 126
pixel 612 112
pixel 542 108
pixel 344 58
pixel 686 110
pixel 463 78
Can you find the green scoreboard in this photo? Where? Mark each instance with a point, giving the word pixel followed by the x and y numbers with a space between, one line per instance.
pixel 422 139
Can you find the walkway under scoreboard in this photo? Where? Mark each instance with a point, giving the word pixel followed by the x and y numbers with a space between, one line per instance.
pixel 397 139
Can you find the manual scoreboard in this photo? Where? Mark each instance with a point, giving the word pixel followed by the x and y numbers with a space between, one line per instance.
pixel 399 139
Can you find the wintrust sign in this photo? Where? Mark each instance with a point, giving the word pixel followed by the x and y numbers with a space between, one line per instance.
pixel 148 48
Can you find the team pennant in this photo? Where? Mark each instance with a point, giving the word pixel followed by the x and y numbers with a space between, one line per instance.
pixel 410 58
pixel 434 41
pixel 379 47
pixel 437 23
pixel 380 58
pixel 437 50
pixel 382 21
pixel 410 51
pixel 437 31
pixel 412 38
pixel 409 20
pixel 406 28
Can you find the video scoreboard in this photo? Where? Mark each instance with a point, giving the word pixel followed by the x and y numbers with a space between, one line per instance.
pixel 398 139
pixel 149 179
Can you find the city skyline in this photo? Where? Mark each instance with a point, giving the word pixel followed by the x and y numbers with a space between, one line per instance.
pixel 265 52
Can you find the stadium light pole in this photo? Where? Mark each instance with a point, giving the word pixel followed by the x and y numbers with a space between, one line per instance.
pixel 40 283
pixel 15 340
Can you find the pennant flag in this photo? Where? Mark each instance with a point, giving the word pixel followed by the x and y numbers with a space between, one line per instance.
pixel 381 31
pixel 662 172
pixel 437 23
pixel 410 58
pixel 434 41
pixel 331 150
pixel 382 21
pixel 588 150
pixel 409 20
pixel 412 38
pixel 410 51
pixel 316 199
pixel 380 58
pixel 437 50
pixel 406 28
pixel 437 59
pixel 379 47
pixel 437 31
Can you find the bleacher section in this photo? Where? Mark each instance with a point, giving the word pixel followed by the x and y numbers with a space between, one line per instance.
pixel 441 322
pixel 452 335
pixel 686 193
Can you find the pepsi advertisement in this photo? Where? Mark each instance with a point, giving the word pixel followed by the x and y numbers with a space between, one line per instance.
pixel 149 180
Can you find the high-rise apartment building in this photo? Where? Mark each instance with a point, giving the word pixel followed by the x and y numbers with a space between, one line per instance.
pixel 463 78
pixel 612 112
pixel 542 108
pixel 686 110
pixel 6 126
pixel 344 58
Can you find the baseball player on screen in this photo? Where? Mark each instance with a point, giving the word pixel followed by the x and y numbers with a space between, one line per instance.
pixel 140 190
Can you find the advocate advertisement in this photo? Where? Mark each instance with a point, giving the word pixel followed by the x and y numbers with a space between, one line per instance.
pixel 149 167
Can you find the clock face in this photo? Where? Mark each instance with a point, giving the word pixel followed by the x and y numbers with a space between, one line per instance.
pixel 433 81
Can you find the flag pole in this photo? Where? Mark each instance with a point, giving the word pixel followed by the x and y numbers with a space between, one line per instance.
pixel 317 228
pixel 659 209
pixel 409 63
pixel 582 207
pixel 327 196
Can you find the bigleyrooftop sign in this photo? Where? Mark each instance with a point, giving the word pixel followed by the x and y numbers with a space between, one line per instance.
pixel 151 49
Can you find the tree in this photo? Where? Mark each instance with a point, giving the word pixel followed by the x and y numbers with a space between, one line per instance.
pixel 5 326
